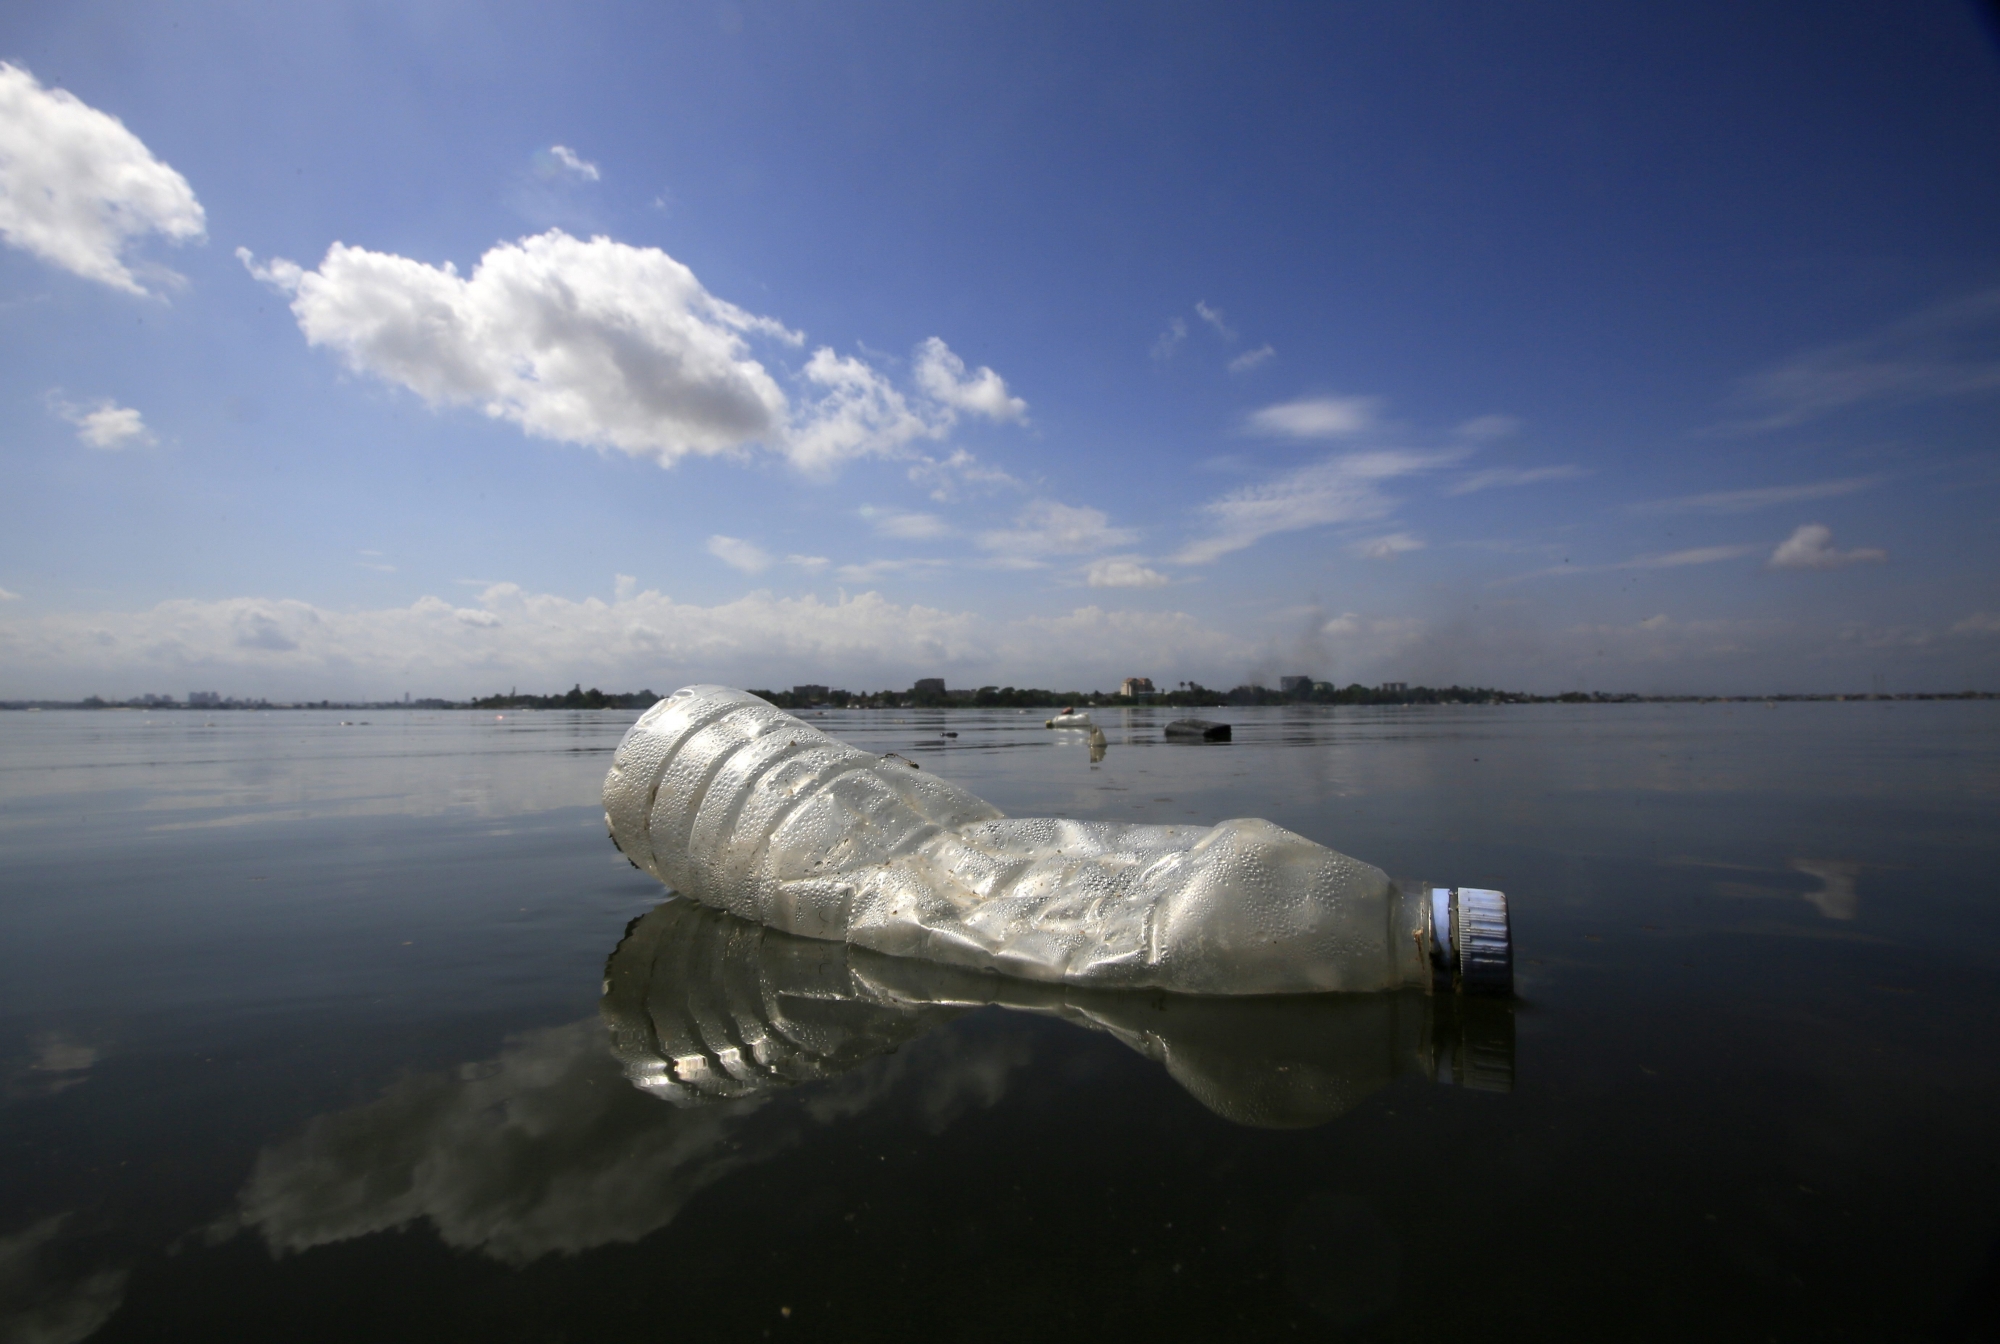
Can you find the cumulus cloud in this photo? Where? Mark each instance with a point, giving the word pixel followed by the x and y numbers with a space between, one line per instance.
pixel 613 346
pixel 78 190
pixel 1170 339
pixel 1811 547
pixel 1944 351
pixel 941 374
pixel 1315 418
pixel 566 160
pixel 739 554
pixel 1763 497
pixel 1250 359
pixel 286 648
pixel 105 424
pixel 1497 477
pixel 1123 571
pixel 904 525
pixel 1046 527
pixel 1341 489
pixel 1386 548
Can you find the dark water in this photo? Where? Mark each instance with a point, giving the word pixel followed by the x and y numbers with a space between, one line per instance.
pixel 301 1037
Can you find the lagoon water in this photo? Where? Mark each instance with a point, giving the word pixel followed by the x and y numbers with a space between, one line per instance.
pixel 332 1030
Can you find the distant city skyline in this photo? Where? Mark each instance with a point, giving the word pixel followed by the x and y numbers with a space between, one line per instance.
pixel 352 350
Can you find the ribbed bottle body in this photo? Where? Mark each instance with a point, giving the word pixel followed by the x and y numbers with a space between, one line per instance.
pixel 745 808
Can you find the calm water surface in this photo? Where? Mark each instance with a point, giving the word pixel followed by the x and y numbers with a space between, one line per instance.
pixel 325 1030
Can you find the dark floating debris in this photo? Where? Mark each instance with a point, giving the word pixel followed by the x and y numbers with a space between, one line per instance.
pixel 1198 730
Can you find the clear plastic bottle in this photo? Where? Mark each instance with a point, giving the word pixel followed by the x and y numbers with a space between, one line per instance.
pixel 744 808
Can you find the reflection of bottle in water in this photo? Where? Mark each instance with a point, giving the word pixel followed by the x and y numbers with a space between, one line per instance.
pixel 744 808
pixel 705 1007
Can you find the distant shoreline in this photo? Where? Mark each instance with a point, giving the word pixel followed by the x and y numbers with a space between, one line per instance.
pixel 1009 698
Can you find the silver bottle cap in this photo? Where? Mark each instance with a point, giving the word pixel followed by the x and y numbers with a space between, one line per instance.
pixel 1472 943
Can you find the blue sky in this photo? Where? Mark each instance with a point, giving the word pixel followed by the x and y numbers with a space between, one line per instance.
pixel 355 350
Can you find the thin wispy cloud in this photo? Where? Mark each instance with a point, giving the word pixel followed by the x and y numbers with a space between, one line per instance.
pixel 1386 548
pixel 1494 478
pixel 904 525
pixel 1170 340
pixel 1314 418
pixel 79 191
pixel 872 571
pixel 1763 497
pixel 1046 527
pixel 1698 555
pixel 1250 359
pixel 1214 318
pixel 567 161
pixel 1944 351
pixel 1811 547
pixel 1488 428
pixel 1345 489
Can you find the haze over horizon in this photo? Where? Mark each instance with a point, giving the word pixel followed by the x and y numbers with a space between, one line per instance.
pixel 358 349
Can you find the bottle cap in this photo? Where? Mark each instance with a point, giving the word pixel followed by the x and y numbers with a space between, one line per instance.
pixel 1472 942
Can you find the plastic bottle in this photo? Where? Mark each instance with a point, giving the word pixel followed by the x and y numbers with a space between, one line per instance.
pixel 744 808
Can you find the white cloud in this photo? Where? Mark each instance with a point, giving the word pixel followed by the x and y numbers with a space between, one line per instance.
pixel 739 554
pixel 1315 418
pixel 1386 548
pixel 861 415
pixel 105 424
pixel 904 525
pixel 8 596
pixel 77 189
pixel 1123 571
pixel 1811 547
pixel 941 374
pixel 1486 428
pixel 583 342
pixel 1746 501
pixel 1338 490
pixel 1250 359
pixel 1978 623
pixel 1213 316
pixel 1046 527
pixel 811 564
pixel 567 160
pixel 614 346
pixel 1943 351
pixel 1170 339
pixel 1496 477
